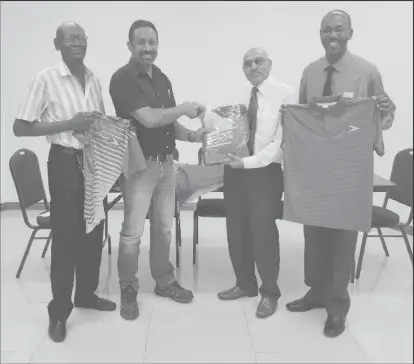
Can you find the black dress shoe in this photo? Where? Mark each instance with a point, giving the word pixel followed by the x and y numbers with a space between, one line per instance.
pixel 267 307
pixel 235 293
pixel 334 326
pixel 57 330
pixel 302 305
pixel 97 303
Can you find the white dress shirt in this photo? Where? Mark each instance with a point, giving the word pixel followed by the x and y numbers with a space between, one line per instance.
pixel 55 95
pixel 271 96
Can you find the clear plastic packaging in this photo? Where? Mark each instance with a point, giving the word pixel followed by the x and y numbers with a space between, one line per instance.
pixel 230 134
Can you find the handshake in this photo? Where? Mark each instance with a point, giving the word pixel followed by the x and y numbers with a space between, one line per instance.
pixel 193 109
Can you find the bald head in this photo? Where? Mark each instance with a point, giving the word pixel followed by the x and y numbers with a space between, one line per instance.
pixel 252 53
pixel 256 65
pixel 67 26
pixel 343 15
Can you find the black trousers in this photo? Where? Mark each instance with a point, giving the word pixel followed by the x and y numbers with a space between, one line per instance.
pixel 329 259
pixel 252 199
pixel 72 249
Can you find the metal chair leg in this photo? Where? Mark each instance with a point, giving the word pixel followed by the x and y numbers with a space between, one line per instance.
pixel 361 255
pixel 353 272
pixel 407 244
pixel 109 245
pixel 177 241
pixel 106 227
pixel 178 229
pixel 195 237
pixel 26 253
pixel 384 246
pixel 47 245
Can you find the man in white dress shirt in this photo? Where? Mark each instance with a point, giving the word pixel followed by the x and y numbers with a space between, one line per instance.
pixel 253 188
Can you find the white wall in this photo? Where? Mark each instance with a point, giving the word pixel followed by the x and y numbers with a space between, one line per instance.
pixel 201 50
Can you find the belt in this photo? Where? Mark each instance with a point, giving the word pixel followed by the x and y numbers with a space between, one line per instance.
pixel 66 150
pixel 158 158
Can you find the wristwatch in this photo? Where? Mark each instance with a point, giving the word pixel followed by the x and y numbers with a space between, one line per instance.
pixel 191 136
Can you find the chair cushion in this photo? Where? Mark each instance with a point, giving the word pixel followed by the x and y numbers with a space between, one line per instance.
pixel 211 207
pixel 382 217
pixel 43 220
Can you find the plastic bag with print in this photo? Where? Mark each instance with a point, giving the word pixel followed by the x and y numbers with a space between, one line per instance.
pixel 230 134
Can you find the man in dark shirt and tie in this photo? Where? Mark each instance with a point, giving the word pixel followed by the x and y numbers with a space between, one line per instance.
pixel 329 253
pixel 141 92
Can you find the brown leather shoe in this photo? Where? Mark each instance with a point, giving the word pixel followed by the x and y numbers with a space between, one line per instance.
pixel 235 293
pixel 302 305
pixel 334 326
pixel 57 330
pixel 267 307
pixel 97 303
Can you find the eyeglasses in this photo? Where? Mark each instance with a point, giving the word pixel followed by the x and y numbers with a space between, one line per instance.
pixel 75 39
pixel 336 30
pixel 259 61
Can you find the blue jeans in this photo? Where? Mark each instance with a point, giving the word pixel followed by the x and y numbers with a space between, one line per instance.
pixel 153 190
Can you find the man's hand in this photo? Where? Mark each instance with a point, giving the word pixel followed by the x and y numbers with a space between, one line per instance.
pixel 193 109
pixel 199 134
pixel 201 109
pixel 383 102
pixel 81 122
pixel 386 107
pixel 236 162
pixel 282 109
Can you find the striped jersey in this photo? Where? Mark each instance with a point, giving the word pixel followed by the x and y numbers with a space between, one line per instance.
pixel 54 95
pixel 108 146
pixel 329 162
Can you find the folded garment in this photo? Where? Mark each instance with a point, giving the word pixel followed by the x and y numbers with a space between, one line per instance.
pixel 230 134
pixel 193 181
pixel 110 148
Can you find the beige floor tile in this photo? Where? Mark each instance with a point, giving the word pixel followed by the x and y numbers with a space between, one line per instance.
pixel 206 330
pixel 379 325
pixel 100 337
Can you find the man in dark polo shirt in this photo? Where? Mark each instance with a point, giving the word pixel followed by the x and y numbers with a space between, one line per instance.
pixel 141 92
pixel 329 253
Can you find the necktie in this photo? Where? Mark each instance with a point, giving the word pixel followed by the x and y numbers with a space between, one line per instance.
pixel 252 115
pixel 327 87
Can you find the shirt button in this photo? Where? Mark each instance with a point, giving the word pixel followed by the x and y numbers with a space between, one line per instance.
pixel 167 146
pixel 168 133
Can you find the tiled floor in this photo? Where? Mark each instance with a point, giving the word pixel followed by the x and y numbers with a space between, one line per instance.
pixel 379 326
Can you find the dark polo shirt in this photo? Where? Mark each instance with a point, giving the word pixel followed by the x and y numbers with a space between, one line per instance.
pixel 131 90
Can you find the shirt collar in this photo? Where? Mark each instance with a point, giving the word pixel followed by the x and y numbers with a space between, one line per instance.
pixel 341 64
pixel 65 71
pixel 137 71
pixel 265 86
pixel 337 109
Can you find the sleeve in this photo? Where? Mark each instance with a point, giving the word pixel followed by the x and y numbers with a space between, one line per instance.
pixel 303 98
pixel 34 103
pixel 376 88
pixel 170 92
pixel 126 94
pixel 101 103
pixel 272 152
pixel 378 141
